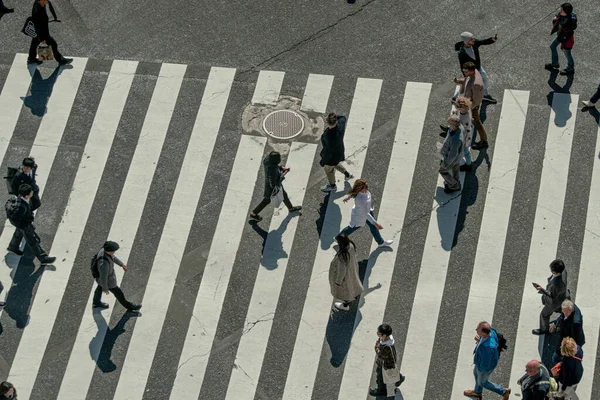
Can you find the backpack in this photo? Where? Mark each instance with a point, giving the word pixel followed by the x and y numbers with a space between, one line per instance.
pixel 11 206
pixel 10 175
pixel 501 342
pixel 94 266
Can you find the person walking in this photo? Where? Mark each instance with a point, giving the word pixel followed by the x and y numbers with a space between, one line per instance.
pixel 4 9
pixel 570 370
pixel 7 391
pixel 389 378
pixel 27 175
pixel 20 215
pixel 362 213
pixel 553 296
pixel 485 359
pixel 463 110
pixel 274 176
pixel 103 271
pixel 568 324
pixel 468 50
pixel 452 153
pixel 535 384
pixel 332 153
pixel 593 100
pixel 344 280
pixel 39 17
pixel 564 24
pixel 472 88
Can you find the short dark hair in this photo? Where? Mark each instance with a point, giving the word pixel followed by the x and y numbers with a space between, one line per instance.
pixel 25 189
pixel 557 266
pixel 5 387
pixel 28 162
pixel 469 65
pixel 385 329
pixel 567 8
pixel 331 118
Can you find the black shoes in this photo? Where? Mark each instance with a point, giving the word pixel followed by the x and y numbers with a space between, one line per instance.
pixel 34 61
pixel 376 393
pixel 47 260
pixel 539 332
pixel 448 190
pixel 551 67
pixel 294 209
pixel 565 72
pixel 256 217
pixel 480 145
pixel 444 128
pixel 103 306
pixel 466 168
pixel 17 251
pixel 134 308
pixel 65 61
pixel 7 11
pixel 489 99
pixel 2 304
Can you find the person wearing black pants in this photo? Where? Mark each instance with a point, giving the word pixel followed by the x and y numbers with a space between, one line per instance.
pixel 40 20
pixel 2 304
pixel 107 280
pixel 4 9
pixel 274 176
pixel 27 175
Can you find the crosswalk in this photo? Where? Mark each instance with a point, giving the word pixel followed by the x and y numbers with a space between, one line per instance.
pixel 166 170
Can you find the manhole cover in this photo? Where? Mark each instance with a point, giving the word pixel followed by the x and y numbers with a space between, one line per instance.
pixel 283 124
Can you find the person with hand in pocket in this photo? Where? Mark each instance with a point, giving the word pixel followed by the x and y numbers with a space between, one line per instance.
pixel 39 17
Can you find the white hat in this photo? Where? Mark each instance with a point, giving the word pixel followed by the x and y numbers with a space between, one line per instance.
pixel 466 36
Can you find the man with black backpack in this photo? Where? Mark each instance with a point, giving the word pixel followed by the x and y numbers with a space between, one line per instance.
pixel 103 271
pixel 27 175
pixel 20 215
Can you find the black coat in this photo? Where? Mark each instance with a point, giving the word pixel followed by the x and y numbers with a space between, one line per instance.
pixel 463 57
pixel 571 327
pixel 571 370
pixel 21 178
pixel 332 141
pixel 40 20
pixel 555 292
pixel 23 216
pixel 536 387
pixel 273 174
pixel 564 26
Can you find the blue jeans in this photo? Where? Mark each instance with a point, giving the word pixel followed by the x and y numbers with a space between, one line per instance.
pixel 467 154
pixel 481 381
pixel 486 80
pixel 553 49
pixel 374 231
pixel 594 99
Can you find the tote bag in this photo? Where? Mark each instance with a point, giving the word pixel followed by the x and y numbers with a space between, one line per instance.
pixel 392 375
pixel 277 196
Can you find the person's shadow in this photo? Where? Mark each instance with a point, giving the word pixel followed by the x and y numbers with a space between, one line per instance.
pixel 562 113
pixel 104 360
pixel 328 232
pixel 469 195
pixel 272 246
pixel 41 90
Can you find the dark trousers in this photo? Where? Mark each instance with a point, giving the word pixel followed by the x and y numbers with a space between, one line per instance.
pixel 381 386
pixel 266 200
pixel 35 201
pixel 119 295
pixel 594 99
pixel 31 238
pixel 35 42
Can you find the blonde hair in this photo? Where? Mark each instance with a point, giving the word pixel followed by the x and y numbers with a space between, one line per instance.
pixel 454 120
pixel 568 347
pixel 359 185
pixel 463 101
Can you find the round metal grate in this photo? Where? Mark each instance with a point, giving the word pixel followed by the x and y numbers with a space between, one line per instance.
pixel 283 124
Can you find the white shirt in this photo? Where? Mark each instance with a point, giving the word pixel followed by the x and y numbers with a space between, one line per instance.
pixel 361 212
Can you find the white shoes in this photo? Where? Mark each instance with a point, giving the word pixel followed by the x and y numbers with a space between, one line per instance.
pixel 386 243
pixel 340 306
pixel 587 103
pixel 329 188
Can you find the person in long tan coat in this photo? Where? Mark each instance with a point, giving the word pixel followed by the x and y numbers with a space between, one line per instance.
pixel 343 274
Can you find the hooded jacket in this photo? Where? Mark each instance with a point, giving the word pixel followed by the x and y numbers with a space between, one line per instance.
pixel 486 353
pixel 464 57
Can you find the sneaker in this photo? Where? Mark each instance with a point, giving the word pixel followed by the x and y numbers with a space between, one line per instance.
pixel 34 61
pixel 348 175
pixel 587 103
pixel 65 61
pixel 480 145
pixel 134 307
pixel 506 394
pixel 47 260
pixel 489 99
pixel 255 217
pixel 340 306
pixel 103 306
pixel 17 251
pixel 566 72
pixel 466 168
pixel 386 243
pixel 329 188
pixel 551 67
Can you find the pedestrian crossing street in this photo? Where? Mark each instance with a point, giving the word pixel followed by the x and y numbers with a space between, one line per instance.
pixel 160 165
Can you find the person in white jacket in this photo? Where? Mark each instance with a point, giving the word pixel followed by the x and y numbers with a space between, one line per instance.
pixel 362 212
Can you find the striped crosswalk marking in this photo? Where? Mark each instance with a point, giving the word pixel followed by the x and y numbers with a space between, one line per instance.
pixel 307 350
pixel 548 217
pixel 494 225
pixel 391 215
pixel 317 92
pixel 268 87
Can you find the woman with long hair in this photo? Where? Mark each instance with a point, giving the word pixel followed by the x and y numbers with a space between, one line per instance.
pixel 362 212
pixel 7 391
pixel 343 274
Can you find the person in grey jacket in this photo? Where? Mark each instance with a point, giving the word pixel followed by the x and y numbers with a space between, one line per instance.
pixel 452 153
pixel 344 280
pixel 107 280
pixel 552 297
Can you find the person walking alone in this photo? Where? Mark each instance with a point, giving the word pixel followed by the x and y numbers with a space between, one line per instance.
pixel 389 378
pixel 332 153
pixel 40 21
pixel 564 24
pixel 468 50
pixel 553 296
pixel 362 213
pixel 105 277
pixel 344 280
pixel 274 176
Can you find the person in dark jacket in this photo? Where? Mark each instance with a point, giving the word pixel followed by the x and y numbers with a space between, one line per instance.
pixel 27 175
pixel 569 324
pixel 387 359
pixel 274 176
pixel 40 21
pixel 553 296
pixel 332 153
pixel 2 304
pixel 4 9
pixel 571 370
pixel 468 50
pixel 564 24
pixel 107 280
pixel 22 220
pixel 535 384
pixel 7 391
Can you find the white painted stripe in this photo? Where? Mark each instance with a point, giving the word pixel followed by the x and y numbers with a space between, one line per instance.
pixel 587 298
pixel 215 279
pixel 546 227
pixel 492 236
pixel 268 87
pixel 394 201
pixel 430 288
pixel 311 332
pixel 100 141
pixel 133 197
pixel 271 271
pixel 316 94
pixel 48 136
pixel 144 341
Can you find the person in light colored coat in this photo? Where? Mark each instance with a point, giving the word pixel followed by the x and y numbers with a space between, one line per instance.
pixel 343 274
